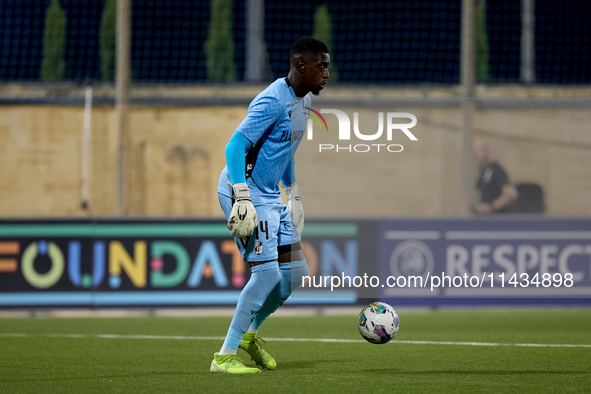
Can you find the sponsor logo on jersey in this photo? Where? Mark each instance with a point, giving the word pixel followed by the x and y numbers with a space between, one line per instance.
pixel 258 247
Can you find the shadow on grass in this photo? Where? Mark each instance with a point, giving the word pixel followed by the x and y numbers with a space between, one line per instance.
pixel 308 364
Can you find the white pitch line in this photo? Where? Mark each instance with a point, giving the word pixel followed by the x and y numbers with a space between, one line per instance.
pixel 323 340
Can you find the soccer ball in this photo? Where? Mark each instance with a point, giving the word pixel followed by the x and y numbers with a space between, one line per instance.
pixel 378 323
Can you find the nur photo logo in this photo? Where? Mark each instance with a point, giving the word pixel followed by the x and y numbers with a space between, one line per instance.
pixel 344 131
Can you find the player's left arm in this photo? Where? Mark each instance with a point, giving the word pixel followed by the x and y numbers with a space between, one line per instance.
pixel 292 193
pixel 243 218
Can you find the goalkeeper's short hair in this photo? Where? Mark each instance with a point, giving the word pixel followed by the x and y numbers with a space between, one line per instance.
pixel 307 45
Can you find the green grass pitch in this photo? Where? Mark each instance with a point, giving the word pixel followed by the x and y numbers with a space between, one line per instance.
pixel 40 361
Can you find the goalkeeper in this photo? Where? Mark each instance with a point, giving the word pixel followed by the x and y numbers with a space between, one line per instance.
pixel 259 156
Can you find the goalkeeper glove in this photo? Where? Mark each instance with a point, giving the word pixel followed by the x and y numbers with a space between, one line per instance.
pixel 243 218
pixel 294 204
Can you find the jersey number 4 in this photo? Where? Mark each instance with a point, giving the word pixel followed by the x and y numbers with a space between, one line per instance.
pixel 263 228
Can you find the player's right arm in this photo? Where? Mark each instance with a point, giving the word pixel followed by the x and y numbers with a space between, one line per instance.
pixel 262 114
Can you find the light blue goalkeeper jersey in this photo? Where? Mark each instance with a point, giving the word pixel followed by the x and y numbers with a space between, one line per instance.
pixel 275 124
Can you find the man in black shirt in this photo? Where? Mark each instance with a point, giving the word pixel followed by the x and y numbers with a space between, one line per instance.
pixel 494 193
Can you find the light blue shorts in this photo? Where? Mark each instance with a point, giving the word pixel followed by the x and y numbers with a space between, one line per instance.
pixel 274 230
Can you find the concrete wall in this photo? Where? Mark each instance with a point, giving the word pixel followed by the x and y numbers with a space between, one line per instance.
pixel 178 152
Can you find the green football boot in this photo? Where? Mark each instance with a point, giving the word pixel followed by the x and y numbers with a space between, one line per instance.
pixel 230 363
pixel 251 344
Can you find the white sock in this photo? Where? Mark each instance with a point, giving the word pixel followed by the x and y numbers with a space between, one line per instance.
pixel 252 330
pixel 224 350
